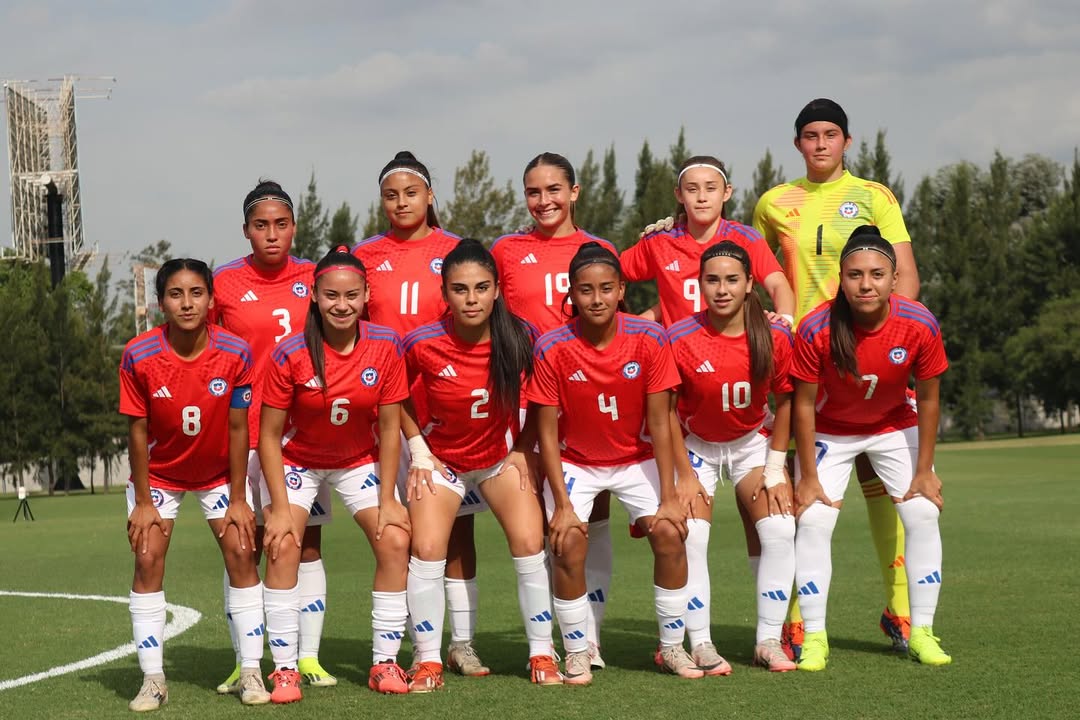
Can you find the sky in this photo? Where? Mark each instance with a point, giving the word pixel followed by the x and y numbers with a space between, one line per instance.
pixel 211 96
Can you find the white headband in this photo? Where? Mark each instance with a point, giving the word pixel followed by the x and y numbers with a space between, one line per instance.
pixel 704 165
pixel 264 198
pixel 391 171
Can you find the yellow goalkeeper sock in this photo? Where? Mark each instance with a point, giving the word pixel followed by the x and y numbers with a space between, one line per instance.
pixel 888 534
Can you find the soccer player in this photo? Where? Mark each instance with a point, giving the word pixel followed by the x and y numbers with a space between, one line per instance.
pixel 535 285
pixel 809 220
pixel 854 356
pixel 331 415
pixel 186 388
pixel 601 394
pixel 471 365
pixel 406 292
pixel 263 297
pixel 672 256
pixel 730 360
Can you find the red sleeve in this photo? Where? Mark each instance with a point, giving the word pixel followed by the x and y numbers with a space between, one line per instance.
pixel 635 263
pixel 396 388
pixel 132 391
pixel 931 360
pixel 663 373
pixel 806 364
pixel 277 390
pixel 543 387
pixel 782 355
pixel 762 260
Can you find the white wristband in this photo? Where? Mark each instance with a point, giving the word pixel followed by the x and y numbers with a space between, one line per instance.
pixel 420 454
pixel 789 318
pixel 774 468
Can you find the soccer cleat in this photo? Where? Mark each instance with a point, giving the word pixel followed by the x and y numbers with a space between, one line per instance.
pixel 286 686
pixel 815 652
pixel 710 661
pixel 768 654
pixel 544 671
pixel 252 689
pixel 461 657
pixel 578 668
pixel 791 640
pixel 315 674
pixel 897 628
pixel 675 660
pixel 231 685
pixel 925 648
pixel 595 661
pixel 426 677
pixel 153 694
pixel 388 678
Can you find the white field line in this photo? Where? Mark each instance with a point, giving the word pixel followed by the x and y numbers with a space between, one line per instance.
pixel 182 619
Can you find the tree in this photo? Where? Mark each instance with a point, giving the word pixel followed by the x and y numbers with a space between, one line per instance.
pixel 121 324
pixel 312 224
pixel 342 228
pixel 766 176
pixel 876 165
pixel 654 181
pixel 679 152
pixel 600 203
pixel 1046 354
pixel 376 221
pixel 480 209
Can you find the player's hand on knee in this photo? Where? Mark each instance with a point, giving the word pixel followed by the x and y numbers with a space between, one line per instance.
pixel 240 515
pixel 277 530
pixel 392 513
pixel 563 522
pixel 687 491
pixel 808 492
pixel 143 518
pixel 928 485
pixel 671 511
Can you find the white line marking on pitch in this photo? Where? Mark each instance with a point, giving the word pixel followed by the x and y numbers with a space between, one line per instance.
pixel 182 619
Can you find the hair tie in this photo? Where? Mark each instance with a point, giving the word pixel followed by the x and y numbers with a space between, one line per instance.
pixel 702 165
pixel 393 170
pixel 347 268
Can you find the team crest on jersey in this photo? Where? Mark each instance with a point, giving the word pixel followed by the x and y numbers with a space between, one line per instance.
pixel 370 376
pixel 631 370
pixel 436 266
pixel 898 355
pixel 218 387
pixel 299 289
pixel 849 210
pixel 293 480
pixel 157 497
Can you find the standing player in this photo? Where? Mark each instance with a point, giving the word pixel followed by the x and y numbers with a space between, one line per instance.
pixel 406 292
pixel 471 365
pixel 809 220
pixel 853 359
pixel 730 360
pixel 263 298
pixel 186 388
pixel 601 393
pixel 331 416
pixel 534 283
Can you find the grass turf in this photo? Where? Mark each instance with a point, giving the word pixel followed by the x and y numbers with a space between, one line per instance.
pixel 1010 579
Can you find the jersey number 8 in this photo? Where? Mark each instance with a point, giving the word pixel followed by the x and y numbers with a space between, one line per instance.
pixel 192 420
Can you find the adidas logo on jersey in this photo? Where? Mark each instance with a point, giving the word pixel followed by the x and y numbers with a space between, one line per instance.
pixel 673 267
pixel 529 259
pixel 249 296
pixel 384 266
pixel 793 212
pixel 706 367
pixel 162 392
pixel 578 376
pixel 448 371
pixel 313 383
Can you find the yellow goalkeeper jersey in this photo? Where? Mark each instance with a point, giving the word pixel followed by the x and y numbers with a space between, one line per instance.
pixel 811 222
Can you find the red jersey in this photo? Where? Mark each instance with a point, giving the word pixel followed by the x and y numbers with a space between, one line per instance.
pixel 602 393
pixel 405 277
pixel 715 371
pixel 186 404
pixel 263 308
pixel 335 428
pixel 533 274
pixel 909 343
pixel 466 431
pixel 673 259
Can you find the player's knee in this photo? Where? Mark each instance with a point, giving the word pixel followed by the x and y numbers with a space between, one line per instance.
pixel 917 513
pixel 428 548
pixel 818 518
pixel 666 540
pixel 393 547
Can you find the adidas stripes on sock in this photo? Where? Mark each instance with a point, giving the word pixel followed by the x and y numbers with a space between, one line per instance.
pixel 246 607
pixel 389 612
pixel 698 588
pixel 282 624
pixel 598 576
pixel 427 605
pixel 922 552
pixel 311 583
pixel 775 575
pixel 148 628
pixel 572 616
pixel 813 563
pixel 534 598
pixel 670 607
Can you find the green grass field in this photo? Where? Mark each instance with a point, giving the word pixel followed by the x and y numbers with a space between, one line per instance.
pixel 1010 530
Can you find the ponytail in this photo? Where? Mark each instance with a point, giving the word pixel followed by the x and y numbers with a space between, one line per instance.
pixel 759 339
pixel 339 258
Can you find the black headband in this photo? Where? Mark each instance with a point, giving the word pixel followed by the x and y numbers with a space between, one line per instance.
pixel 821 111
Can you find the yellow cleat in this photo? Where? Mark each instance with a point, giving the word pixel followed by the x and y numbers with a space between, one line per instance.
pixel 924 648
pixel 815 652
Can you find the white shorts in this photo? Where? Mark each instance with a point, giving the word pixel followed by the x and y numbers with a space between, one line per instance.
pixel 214 502
pixel 637 487
pixel 893 456
pixel 357 487
pixel 320 513
pixel 736 458
pixel 464 484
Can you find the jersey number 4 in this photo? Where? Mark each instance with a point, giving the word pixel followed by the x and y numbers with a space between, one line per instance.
pixel 608 405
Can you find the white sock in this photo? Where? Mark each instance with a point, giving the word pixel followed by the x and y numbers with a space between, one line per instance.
pixel 572 616
pixel 670 607
pixel 282 625
pixel 922 557
pixel 775 575
pixel 597 576
pixel 427 605
pixel 246 607
pixel 389 611
pixel 813 563
pixel 229 620
pixel 461 602
pixel 148 628
pixel 754 561
pixel 534 598
pixel 311 581
pixel 698 588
